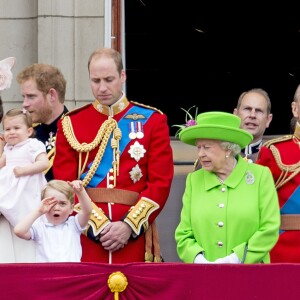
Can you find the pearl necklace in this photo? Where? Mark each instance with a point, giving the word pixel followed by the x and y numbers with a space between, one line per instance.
pixel 223 180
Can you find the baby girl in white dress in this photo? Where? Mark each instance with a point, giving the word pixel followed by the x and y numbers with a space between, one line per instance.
pixel 22 166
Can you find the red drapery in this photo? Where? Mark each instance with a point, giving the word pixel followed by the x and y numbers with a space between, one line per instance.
pixel 155 281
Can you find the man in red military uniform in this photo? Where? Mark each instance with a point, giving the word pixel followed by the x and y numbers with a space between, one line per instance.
pixel 282 156
pixel 121 150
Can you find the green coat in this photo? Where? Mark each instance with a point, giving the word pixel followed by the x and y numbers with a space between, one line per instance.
pixel 240 216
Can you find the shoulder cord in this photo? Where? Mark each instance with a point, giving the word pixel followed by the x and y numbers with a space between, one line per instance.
pixel 102 137
pixel 50 155
pixel 285 169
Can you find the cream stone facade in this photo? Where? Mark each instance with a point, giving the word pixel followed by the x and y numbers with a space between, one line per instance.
pixel 58 32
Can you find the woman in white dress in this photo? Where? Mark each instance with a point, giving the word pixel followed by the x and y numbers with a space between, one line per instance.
pixel 22 163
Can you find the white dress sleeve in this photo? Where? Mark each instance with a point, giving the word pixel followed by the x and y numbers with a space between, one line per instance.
pixel 36 147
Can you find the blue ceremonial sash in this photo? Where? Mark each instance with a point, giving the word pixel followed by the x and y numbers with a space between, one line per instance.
pixel 124 125
pixel 292 205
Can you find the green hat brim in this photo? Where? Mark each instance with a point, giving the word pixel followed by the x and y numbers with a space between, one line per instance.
pixel 238 136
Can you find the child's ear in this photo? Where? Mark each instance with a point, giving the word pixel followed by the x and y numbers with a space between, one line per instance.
pixel 72 209
pixel 30 131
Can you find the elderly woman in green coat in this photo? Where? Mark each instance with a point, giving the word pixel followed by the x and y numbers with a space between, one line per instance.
pixel 230 210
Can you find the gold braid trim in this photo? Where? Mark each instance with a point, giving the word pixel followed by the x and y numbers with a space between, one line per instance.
pixel 98 220
pixel 285 169
pixel 50 155
pixel 268 143
pixel 147 106
pixel 116 152
pixel 109 124
pixel 101 139
pixel 139 214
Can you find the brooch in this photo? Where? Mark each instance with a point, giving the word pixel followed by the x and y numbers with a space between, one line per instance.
pixel 249 178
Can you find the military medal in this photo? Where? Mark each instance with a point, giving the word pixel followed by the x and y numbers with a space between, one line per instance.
pixel 132 129
pixel 132 135
pixel 140 133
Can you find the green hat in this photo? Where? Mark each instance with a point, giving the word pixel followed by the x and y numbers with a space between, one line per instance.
pixel 216 125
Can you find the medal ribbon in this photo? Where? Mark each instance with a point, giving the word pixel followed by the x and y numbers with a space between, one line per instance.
pixel 124 125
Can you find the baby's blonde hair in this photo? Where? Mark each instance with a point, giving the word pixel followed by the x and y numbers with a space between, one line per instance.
pixel 60 186
pixel 25 115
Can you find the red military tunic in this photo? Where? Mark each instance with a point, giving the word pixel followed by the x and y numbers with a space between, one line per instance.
pixel 282 156
pixel 145 167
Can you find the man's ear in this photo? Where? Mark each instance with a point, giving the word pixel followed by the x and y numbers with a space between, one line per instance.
pixel 53 94
pixel 295 109
pixel 270 118
pixel 123 76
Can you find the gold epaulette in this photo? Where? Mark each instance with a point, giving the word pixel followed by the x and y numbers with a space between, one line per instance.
pixel 147 106
pixel 287 171
pixel 75 110
pixel 50 155
pixel 278 140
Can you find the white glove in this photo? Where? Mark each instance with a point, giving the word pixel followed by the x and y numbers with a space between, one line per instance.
pixel 230 259
pixel 200 259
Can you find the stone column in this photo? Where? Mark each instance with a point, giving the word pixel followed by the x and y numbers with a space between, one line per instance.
pixel 58 32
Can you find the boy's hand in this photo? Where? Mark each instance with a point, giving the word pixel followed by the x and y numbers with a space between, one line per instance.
pixel 76 185
pixel 47 204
